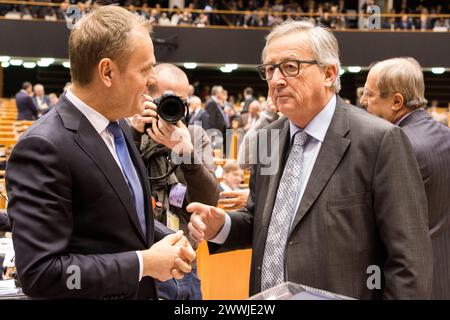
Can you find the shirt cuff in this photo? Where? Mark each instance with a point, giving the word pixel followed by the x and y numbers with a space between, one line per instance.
pixel 224 232
pixel 141 265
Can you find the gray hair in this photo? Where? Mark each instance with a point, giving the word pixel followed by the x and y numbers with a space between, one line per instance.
pixel 323 44
pixel 404 76
pixel 195 100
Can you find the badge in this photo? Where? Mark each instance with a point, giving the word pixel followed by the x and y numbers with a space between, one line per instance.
pixel 176 195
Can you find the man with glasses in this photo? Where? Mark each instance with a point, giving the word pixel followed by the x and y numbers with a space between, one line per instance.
pixel 346 210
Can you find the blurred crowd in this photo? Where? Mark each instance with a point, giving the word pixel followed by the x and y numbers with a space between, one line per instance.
pixel 335 14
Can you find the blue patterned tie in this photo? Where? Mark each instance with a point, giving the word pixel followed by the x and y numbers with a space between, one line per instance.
pixel 129 171
pixel 272 272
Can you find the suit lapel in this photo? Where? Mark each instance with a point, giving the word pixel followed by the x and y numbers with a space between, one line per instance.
pixel 93 145
pixel 274 179
pixel 330 155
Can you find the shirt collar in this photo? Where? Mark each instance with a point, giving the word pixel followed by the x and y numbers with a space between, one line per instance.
pixel 406 116
pixel 98 121
pixel 318 126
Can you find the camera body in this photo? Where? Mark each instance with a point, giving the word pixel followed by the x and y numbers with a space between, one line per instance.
pixel 170 108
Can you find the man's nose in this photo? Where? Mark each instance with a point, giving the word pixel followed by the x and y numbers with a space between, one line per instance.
pixel 278 79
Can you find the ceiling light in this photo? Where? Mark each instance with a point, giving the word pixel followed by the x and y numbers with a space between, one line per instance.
pixel 66 64
pixel 438 70
pixel 354 69
pixel 15 62
pixel 232 66
pixel 190 65
pixel 342 71
pixel 225 69
pixel 29 65
pixel 4 58
pixel 5 64
pixel 41 63
pixel 48 60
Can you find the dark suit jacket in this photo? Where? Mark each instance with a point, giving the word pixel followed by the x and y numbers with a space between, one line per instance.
pixel 243 121
pixel 364 205
pixel 26 107
pixel 431 144
pixel 69 205
pixel 46 101
pixel 4 222
pixel 202 116
pixel 216 119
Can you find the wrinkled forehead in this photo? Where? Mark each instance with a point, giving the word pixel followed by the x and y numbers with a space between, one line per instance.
pixel 291 46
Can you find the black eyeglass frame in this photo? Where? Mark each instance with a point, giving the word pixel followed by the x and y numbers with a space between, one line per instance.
pixel 278 65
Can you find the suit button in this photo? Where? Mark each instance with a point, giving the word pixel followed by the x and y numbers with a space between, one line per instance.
pixel 259 268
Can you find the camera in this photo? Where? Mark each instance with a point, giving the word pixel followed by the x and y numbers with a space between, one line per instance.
pixel 170 108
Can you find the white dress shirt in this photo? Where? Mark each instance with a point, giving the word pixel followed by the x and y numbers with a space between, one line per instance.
pixel 316 129
pixel 100 122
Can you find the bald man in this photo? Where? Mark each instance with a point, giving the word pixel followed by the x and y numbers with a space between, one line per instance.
pixel 192 180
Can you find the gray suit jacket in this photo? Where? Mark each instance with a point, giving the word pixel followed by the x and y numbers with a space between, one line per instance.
pixel 431 144
pixel 364 205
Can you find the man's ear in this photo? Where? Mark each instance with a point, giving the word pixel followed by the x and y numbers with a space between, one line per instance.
pixel 397 101
pixel 330 75
pixel 106 70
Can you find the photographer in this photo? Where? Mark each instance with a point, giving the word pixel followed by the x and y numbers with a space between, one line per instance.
pixel 192 180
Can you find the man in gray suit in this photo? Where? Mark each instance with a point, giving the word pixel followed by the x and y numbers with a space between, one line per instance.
pixel 394 90
pixel 353 220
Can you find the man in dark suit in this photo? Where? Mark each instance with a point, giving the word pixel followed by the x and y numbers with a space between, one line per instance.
pixel 4 222
pixel 341 206
pixel 248 98
pixel 395 90
pixel 40 99
pixel 79 198
pixel 218 119
pixel 25 105
pixel 197 113
pixel 249 119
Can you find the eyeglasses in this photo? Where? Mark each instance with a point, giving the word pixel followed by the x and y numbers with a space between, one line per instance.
pixel 288 68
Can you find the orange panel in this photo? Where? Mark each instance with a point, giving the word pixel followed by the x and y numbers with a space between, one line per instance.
pixel 225 276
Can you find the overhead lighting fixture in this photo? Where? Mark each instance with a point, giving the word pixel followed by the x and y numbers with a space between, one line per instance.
pixel 190 65
pixel 66 64
pixel 354 69
pixel 41 63
pixel 45 62
pixel 15 62
pixel 4 58
pixel 48 60
pixel 29 65
pixel 438 70
pixel 5 64
pixel 225 69
pixel 342 71
pixel 232 66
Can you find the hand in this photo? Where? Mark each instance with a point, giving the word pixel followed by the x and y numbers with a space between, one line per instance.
pixel 233 200
pixel 138 121
pixel 169 258
pixel 206 221
pixel 176 137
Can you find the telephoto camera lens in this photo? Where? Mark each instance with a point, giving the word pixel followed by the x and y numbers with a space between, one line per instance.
pixel 170 108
